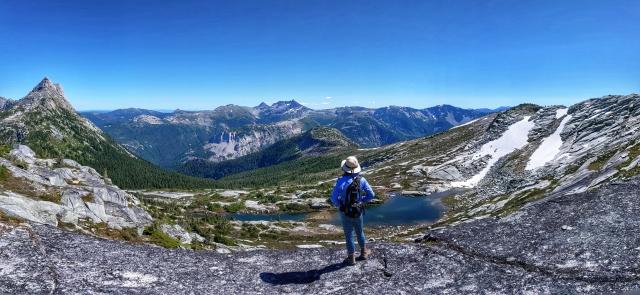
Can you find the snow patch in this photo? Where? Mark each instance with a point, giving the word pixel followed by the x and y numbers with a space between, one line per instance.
pixel 561 112
pixel 550 146
pixel 514 138
pixel 465 124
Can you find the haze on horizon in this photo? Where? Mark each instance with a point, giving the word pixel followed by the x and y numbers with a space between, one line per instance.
pixel 203 54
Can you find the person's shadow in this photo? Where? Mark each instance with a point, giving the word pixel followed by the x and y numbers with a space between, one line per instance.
pixel 299 277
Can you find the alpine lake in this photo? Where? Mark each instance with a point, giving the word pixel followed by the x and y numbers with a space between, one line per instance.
pixel 398 210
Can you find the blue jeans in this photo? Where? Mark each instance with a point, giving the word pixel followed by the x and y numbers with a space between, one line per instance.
pixel 349 225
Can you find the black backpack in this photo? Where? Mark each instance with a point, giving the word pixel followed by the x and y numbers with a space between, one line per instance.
pixel 350 205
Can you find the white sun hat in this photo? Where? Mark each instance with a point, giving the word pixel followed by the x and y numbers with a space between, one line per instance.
pixel 350 165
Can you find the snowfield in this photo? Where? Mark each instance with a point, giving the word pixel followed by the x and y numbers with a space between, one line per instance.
pixel 550 146
pixel 514 138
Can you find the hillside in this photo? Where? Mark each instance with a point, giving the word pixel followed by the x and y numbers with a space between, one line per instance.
pixel 45 121
pixel 315 142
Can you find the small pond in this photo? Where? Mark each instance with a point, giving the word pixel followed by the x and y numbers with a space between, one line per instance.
pixel 398 210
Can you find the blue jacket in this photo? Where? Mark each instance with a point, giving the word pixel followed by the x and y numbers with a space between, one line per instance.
pixel 343 183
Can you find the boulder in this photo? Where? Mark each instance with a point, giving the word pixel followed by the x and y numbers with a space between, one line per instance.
pixel 71 163
pixel 23 153
pixel 319 203
pixel 177 232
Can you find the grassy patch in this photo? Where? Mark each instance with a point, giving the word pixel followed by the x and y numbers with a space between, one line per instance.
pixel 103 230
pixel 4 173
pixel 21 164
pixel 294 207
pixel 20 186
pixel 55 197
pixel 264 198
pixel 158 237
pixel 517 202
pixel 5 218
pixel 249 231
pixel 452 202
pixel 88 198
pixel 224 240
pixel 601 160
pixel 4 150
pixel 235 207
pixel 215 207
pixel 634 152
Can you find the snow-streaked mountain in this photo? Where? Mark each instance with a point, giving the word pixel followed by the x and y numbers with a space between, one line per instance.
pixel 514 157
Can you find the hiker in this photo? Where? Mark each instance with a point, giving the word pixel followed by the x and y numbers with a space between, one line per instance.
pixel 349 195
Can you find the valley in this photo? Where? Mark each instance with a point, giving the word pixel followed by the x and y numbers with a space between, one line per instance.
pixel 520 199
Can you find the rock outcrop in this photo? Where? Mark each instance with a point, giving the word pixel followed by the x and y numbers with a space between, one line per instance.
pixel 78 193
pixel 582 243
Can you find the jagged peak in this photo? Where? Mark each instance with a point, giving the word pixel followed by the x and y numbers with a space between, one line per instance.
pixel 44 84
pixel 46 94
pixel 289 103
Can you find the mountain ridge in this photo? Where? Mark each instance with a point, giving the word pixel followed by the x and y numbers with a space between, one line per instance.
pixel 232 131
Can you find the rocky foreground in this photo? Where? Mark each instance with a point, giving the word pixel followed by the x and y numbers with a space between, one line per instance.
pixel 586 243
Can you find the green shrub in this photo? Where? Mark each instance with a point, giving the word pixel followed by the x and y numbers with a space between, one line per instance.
pixel 4 150
pixel 21 164
pixel 235 207
pixel 294 207
pixel 224 240
pixel 249 231
pixel 4 173
pixel 195 245
pixel 215 207
pixel 88 198
pixel 158 237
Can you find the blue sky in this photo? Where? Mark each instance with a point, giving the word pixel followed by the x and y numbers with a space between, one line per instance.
pixel 324 53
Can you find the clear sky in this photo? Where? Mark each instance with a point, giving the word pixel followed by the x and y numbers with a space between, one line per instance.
pixel 324 53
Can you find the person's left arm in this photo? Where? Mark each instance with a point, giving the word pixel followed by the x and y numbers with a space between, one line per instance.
pixel 369 194
pixel 335 195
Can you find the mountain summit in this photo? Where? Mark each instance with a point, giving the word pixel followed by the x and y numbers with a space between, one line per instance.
pixel 47 95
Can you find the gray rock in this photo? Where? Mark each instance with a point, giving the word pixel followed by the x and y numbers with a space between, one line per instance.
pixel 36 211
pixel 198 238
pixel 84 264
pixel 75 183
pixel 177 232
pixel 23 153
pixel 71 163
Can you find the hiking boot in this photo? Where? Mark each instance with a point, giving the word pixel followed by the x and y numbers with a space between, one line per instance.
pixel 364 254
pixel 350 260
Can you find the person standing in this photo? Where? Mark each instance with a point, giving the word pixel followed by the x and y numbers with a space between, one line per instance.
pixel 350 194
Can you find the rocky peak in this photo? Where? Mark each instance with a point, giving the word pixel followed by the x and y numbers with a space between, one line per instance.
pixel 262 106
pixel 45 84
pixel 287 104
pixel 46 94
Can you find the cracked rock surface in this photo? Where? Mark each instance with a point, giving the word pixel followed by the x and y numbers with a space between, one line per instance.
pixel 583 243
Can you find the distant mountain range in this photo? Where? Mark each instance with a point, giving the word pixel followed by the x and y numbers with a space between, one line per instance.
pixel 231 131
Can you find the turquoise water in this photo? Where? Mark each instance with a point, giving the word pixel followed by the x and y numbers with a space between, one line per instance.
pixel 398 210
